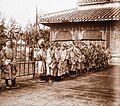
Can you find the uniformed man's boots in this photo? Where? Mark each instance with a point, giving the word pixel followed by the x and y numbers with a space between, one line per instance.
pixel 14 83
pixel 7 84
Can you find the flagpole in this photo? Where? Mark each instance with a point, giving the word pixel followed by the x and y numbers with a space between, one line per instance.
pixel 36 18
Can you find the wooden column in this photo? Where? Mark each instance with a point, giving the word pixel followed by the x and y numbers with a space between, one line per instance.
pixel 108 31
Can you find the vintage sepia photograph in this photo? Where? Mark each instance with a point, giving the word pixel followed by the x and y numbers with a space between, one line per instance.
pixel 59 52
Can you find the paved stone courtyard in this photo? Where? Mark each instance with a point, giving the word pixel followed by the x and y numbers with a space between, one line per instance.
pixel 101 88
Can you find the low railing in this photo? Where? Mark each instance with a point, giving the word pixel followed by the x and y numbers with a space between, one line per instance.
pixel 25 68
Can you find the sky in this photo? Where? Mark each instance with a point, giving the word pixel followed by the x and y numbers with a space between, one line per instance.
pixel 23 11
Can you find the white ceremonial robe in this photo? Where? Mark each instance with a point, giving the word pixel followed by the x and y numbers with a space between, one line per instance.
pixel 39 63
pixel 48 62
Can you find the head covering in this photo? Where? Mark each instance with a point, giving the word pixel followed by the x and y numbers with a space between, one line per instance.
pixel 8 40
pixel 65 45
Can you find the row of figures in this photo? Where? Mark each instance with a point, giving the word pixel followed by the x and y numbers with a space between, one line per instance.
pixel 57 59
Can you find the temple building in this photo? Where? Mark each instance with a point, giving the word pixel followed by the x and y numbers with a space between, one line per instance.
pixel 96 21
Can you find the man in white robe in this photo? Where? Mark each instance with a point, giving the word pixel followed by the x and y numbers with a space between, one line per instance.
pixel 49 61
pixel 38 55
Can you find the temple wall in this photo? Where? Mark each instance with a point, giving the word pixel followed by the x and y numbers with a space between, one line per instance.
pixel 83 32
pixel 61 33
pixel 115 42
pixel 110 33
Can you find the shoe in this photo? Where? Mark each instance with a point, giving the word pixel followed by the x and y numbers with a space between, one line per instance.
pixel 15 87
pixel 42 81
pixel 7 87
pixel 50 81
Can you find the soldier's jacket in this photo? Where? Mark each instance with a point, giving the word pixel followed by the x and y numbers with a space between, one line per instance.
pixel 8 53
pixel 8 56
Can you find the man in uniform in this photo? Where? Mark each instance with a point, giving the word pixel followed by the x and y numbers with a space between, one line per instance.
pixel 63 62
pixel 9 65
pixel 78 55
pixel 73 59
pixel 57 56
pixel 107 56
pixel 84 58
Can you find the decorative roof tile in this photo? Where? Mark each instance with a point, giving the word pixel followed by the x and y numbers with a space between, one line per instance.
pixel 77 15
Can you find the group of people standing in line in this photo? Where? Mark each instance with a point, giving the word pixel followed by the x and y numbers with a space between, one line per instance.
pixel 58 59
pixel 55 60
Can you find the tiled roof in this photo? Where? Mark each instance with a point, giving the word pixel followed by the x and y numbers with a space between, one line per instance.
pixel 85 2
pixel 77 15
